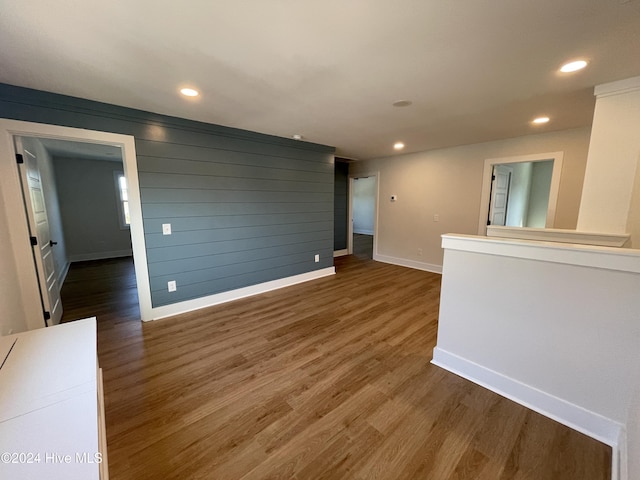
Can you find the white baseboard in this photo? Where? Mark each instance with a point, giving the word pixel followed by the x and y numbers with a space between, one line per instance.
pixel 619 458
pixel 218 298
pixel 83 257
pixel 340 253
pixel 403 262
pixel 62 275
pixel 585 421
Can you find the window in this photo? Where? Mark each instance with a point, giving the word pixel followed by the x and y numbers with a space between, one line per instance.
pixel 123 195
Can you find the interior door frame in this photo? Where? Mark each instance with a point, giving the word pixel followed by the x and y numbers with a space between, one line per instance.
pixel 375 212
pixel 17 217
pixel 485 197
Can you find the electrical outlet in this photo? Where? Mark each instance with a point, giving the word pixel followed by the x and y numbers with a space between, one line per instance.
pixel 171 286
pixel 436 217
pixel 166 229
pixel 419 252
pixel 317 258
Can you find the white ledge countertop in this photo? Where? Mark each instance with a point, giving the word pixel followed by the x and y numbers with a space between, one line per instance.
pixel 559 235
pixel 610 258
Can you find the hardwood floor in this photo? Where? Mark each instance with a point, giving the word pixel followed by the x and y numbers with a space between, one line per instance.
pixel 328 379
pixel 363 246
pixel 103 288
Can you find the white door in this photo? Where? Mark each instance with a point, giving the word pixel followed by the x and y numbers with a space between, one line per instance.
pixel 500 183
pixel 40 236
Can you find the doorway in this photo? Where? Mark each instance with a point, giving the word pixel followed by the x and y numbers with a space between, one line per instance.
pixel 363 193
pixel 30 311
pixel 520 191
pixel 520 194
pixel 86 203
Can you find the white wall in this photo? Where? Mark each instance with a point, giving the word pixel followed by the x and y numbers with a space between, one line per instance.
pixel 552 326
pixel 448 182
pixel 89 205
pixel 633 435
pixel 364 204
pixel 613 163
pixel 633 224
pixel 11 317
pixel 538 204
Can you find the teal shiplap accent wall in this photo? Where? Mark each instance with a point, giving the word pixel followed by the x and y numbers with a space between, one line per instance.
pixel 245 208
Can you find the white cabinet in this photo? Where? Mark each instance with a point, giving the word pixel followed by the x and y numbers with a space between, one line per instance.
pixel 51 410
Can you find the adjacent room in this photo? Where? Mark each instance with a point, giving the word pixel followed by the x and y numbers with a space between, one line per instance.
pixel 326 240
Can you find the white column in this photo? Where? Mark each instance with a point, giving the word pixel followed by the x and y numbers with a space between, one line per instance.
pixel 610 181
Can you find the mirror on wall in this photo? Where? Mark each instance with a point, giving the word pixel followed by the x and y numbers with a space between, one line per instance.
pixel 520 194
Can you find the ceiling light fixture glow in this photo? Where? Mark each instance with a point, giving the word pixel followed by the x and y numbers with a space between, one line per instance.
pixel 189 92
pixel 573 66
pixel 398 146
pixel 540 120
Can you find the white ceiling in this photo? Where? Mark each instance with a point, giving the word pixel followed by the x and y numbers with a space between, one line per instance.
pixel 84 150
pixel 475 70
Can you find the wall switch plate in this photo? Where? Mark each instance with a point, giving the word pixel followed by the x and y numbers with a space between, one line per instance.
pixel 171 286
pixel 436 217
pixel 317 258
pixel 166 229
pixel 394 198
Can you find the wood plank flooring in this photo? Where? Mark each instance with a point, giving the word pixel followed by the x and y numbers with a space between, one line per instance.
pixel 328 379
pixel 363 246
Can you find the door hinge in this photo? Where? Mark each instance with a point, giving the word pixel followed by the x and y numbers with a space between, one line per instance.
pixel 47 315
pixel 34 241
pixel 488 222
pixel 19 158
pixel 493 177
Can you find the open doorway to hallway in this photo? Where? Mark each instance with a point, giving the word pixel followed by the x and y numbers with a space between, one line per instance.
pixel 363 207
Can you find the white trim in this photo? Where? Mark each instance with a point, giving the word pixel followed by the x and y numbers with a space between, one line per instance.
pixel 559 235
pixel 617 88
pixel 218 298
pixel 62 275
pixel 620 458
pixel 557 158
pixel 340 253
pixel 610 258
pixel 16 217
pixel 403 262
pixel 585 421
pixel 84 257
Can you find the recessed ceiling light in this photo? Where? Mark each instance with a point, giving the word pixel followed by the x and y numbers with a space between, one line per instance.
pixel 402 103
pixel 573 66
pixel 540 120
pixel 189 92
pixel 398 146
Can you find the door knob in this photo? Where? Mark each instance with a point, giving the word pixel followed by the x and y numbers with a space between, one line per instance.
pixel 52 243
